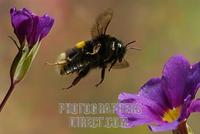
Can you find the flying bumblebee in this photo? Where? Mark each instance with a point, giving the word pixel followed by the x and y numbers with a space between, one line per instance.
pixel 101 51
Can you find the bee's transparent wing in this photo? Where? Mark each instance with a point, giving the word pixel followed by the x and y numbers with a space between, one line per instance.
pixel 122 64
pixel 101 23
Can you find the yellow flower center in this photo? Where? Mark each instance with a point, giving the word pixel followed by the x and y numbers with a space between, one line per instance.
pixel 171 114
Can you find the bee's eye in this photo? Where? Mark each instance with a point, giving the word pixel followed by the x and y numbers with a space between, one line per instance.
pixel 119 45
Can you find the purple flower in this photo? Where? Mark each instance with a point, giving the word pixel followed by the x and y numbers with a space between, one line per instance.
pixel 29 26
pixel 165 102
pixel 29 29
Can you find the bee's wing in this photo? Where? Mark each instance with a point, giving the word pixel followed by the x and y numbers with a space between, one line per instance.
pixel 122 64
pixel 101 23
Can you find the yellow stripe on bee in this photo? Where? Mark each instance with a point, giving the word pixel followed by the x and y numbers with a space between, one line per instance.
pixel 80 44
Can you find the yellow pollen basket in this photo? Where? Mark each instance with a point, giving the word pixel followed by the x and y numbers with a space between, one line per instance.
pixel 171 114
pixel 80 44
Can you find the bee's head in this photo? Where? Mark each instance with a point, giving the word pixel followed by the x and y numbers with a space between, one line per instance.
pixel 123 48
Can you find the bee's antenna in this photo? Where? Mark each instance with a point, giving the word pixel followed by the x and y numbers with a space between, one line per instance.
pixel 132 47
pixel 135 48
pixel 130 43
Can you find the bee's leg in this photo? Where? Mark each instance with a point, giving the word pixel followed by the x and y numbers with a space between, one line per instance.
pixel 102 76
pixel 113 63
pixel 80 75
pixel 56 63
pixel 74 57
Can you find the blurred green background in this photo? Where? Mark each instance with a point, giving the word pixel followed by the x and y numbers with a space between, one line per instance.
pixel 161 28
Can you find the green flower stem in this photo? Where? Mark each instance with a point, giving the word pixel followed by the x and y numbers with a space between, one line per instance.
pixel 10 90
pixel 20 66
pixel 183 128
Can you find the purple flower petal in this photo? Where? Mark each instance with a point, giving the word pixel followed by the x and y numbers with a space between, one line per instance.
pixel 166 101
pixel 184 108
pixel 45 25
pixel 153 90
pixel 22 23
pixel 147 111
pixel 42 27
pixel 175 75
pixel 29 26
pixel 132 122
pixel 194 106
pixel 164 127
pixel 193 80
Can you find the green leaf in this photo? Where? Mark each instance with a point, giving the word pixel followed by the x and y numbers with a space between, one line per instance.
pixel 17 64
pixel 190 131
pixel 23 61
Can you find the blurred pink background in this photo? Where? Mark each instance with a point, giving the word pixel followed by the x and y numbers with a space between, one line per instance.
pixel 161 29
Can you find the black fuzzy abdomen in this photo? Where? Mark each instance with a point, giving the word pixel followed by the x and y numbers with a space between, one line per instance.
pixel 75 67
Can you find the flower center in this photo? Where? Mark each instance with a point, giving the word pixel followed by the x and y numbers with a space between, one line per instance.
pixel 171 114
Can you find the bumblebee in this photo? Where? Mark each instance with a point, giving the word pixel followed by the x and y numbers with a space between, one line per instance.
pixel 101 51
